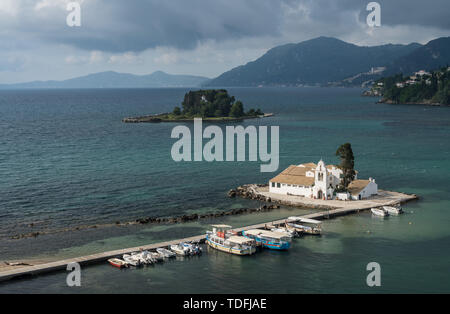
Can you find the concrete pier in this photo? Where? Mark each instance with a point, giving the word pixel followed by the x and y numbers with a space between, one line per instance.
pixel 386 198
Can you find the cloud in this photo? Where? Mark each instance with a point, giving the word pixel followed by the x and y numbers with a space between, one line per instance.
pixel 203 37
pixel 11 64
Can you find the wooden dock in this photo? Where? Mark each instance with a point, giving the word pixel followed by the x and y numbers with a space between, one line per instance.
pixel 25 271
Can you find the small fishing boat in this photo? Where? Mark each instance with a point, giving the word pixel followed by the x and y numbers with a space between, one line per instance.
pixel 143 257
pixel 180 249
pixel 131 260
pixel 268 239
pixel 379 212
pixel 165 253
pixel 223 239
pixel 156 256
pixel 194 249
pixel 117 262
pixel 304 225
pixel 284 231
pixel 393 210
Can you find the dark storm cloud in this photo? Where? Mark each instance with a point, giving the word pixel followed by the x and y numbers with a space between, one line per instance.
pixel 118 25
pixel 137 25
pixel 432 13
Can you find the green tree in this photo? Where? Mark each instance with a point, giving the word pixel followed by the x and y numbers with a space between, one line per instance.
pixel 237 110
pixel 177 111
pixel 347 165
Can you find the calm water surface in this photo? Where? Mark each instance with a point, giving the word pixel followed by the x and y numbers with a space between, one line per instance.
pixel 66 160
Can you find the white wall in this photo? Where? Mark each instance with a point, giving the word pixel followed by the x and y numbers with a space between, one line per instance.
pixel 294 190
pixel 368 191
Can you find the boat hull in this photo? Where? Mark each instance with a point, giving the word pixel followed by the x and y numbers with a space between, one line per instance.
pixel 282 245
pixel 379 212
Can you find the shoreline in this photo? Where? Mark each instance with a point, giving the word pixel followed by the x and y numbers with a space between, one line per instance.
pixel 157 119
pixel 261 192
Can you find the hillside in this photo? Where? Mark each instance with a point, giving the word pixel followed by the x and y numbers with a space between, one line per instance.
pixel 328 61
pixel 433 55
pixel 112 79
pixel 319 61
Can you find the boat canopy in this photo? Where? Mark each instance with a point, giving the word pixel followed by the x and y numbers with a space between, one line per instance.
pixel 221 226
pixel 305 220
pixel 239 240
pixel 265 233
pixel 311 221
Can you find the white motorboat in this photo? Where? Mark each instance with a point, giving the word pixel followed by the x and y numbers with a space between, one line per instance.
pixel 143 257
pixel 284 231
pixel 165 253
pixel 304 225
pixel 194 249
pixel 131 260
pixel 393 210
pixel 180 249
pixel 379 212
pixel 156 256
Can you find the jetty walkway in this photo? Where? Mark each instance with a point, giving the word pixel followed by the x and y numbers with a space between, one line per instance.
pixel 339 208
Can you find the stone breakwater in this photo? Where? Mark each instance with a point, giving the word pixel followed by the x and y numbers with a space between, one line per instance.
pixel 152 220
pixel 253 192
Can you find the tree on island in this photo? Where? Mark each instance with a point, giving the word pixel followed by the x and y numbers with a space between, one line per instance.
pixel 177 111
pixel 347 165
pixel 213 103
pixel 237 110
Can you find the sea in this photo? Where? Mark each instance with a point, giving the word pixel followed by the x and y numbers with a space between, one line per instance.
pixel 72 173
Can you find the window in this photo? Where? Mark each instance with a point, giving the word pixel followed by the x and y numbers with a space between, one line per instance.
pixel 273 184
pixel 278 185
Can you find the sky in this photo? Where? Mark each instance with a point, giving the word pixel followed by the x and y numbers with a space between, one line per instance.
pixel 197 37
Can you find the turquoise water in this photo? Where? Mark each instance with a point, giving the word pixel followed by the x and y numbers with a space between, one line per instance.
pixel 66 160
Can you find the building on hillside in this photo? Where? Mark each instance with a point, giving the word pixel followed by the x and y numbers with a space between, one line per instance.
pixel 319 181
pixel 422 73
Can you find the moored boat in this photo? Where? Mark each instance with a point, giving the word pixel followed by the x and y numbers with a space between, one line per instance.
pixel 165 252
pixel 180 249
pixel 156 256
pixel 284 231
pixel 221 238
pixel 131 260
pixel 268 239
pixel 393 210
pixel 117 262
pixel 304 225
pixel 379 212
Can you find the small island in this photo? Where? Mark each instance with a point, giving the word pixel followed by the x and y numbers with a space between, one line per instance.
pixel 424 88
pixel 210 105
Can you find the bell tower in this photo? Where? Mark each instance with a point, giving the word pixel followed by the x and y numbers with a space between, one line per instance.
pixel 321 180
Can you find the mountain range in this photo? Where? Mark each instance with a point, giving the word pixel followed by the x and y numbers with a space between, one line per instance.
pixel 322 61
pixel 330 61
pixel 112 79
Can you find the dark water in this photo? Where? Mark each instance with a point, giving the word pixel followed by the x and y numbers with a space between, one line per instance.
pixel 67 160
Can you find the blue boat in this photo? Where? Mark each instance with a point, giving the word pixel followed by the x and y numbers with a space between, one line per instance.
pixel 269 239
